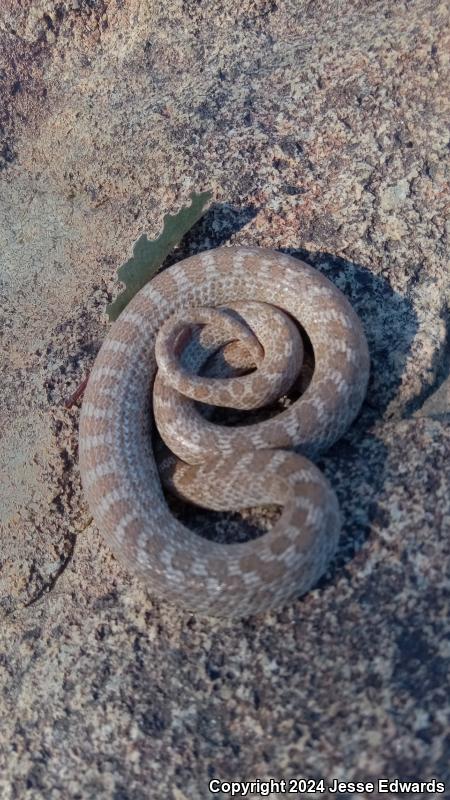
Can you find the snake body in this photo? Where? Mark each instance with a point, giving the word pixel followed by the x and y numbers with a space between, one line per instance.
pixel 251 301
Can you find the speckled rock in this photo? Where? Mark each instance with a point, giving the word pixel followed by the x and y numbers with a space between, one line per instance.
pixel 322 129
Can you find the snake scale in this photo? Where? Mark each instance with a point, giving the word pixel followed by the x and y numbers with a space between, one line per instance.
pixel 244 307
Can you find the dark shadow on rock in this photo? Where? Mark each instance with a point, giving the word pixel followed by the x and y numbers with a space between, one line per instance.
pixel 389 321
pixel 214 229
pixel 440 367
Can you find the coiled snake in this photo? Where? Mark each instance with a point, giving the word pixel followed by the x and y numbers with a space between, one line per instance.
pixel 263 294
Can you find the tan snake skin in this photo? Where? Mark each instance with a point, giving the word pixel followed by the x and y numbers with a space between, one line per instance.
pixel 222 467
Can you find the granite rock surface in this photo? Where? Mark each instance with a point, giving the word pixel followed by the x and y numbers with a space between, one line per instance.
pixel 322 130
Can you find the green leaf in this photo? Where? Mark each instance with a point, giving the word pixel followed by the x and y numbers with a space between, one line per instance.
pixel 148 256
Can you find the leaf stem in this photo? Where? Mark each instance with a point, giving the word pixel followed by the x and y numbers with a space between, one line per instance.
pixel 79 391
